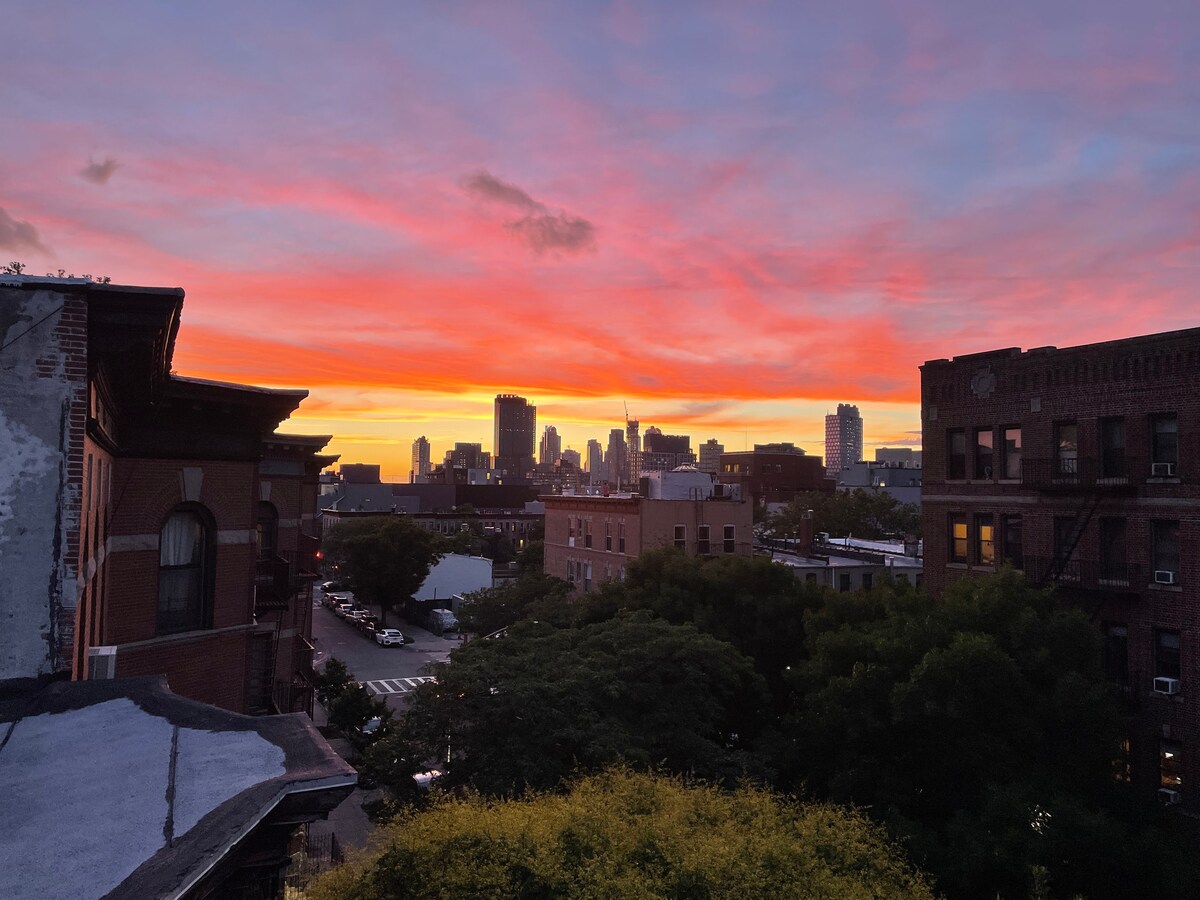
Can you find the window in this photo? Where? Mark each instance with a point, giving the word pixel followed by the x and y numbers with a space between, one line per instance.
pixel 266 534
pixel 185 570
pixel 1166 653
pixel 1012 451
pixel 1112 550
pixel 1013 552
pixel 570 529
pixel 985 540
pixel 1164 550
pixel 579 527
pixel 810 577
pixel 1164 446
pixel 1123 764
pixel 587 533
pixel 1064 537
pixel 1112 448
pixel 730 541
pixel 703 540
pixel 608 536
pixel 868 581
pixel 1066 448
pixel 587 576
pixel 570 571
pixel 956 454
pixel 1170 764
pixel 844 582
pixel 1116 653
pixel 681 537
pixel 958 538
pixel 621 539
pixel 983 453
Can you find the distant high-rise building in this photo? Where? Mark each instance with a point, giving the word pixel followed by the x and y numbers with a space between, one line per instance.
pixel 550 449
pixel 595 461
pixel 419 473
pixel 843 439
pixel 467 456
pixel 516 430
pixel 633 451
pixel 710 456
pixel 663 452
pixel 614 457
pixel 572 457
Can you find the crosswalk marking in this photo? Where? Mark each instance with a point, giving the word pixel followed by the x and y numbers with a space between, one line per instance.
pixel 396 685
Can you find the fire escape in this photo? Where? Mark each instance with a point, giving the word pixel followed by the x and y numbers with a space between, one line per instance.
pixel 1079 486
pixel 281 581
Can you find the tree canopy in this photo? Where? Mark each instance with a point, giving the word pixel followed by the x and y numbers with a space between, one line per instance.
pixel 384 559
pixel 530 709
pixel 872 515
pixel 625 835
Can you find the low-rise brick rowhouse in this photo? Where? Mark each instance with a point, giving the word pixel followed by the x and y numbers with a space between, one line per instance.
pixel 149 524
pixel 1081 467
pixel 591 538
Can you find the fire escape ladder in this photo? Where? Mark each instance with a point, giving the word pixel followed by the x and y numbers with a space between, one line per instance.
pixel 1062 553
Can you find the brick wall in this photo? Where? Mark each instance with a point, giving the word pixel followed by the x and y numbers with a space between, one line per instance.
pixel 1132 380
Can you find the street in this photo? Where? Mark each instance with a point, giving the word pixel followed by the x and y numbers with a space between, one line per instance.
pixel 389 672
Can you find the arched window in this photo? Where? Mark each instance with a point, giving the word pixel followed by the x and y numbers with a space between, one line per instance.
pixel 186 548
pixel 267 533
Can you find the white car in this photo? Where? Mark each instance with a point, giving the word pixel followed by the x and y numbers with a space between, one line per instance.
pixel 386 637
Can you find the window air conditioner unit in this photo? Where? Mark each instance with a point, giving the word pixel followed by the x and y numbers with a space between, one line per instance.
pixel 102 663
pixel 1162 470
pixel 1167 686
pixel 1169 797
pixel 1164 576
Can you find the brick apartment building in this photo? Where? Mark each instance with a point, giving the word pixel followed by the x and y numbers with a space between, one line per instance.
pixel 149 524
pixel 774 473
pixel 1081 467
pixel 591 538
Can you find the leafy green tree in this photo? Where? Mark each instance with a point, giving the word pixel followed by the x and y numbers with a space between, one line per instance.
pixel 348 705
pixel 872 515
pixel 622 835
pixel 383 558
pixel 531 558
pixel 531 596
pixel 980 729
pixel 530 709
pixel 754 604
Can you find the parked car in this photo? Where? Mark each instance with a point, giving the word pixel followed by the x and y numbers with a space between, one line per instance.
pixel 334 586
pixel 344 609
pixel 389 637
pixel 369 625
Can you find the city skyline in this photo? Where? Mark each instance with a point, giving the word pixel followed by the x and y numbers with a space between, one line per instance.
pixel 730 218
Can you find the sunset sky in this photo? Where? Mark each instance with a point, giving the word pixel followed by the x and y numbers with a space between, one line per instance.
pixel 731 216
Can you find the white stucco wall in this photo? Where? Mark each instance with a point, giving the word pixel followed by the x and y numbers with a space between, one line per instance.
pixel 35 510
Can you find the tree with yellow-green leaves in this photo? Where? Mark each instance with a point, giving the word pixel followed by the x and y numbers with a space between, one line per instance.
pixel 625 835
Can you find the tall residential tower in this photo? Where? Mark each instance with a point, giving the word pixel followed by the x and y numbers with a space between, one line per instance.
pixel 843 439
pixel 516 427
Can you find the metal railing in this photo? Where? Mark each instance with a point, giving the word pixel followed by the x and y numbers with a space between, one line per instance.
pixel 1100 575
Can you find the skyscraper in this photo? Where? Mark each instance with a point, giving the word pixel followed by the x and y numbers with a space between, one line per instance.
pixel 633 452
pixel 419 473
pixel 614 457
pixel 516 427
pixel 710 456
pixel 550 448
pixel 843 439
pixel 595 461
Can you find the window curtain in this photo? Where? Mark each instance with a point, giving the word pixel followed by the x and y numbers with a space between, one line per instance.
pixel 180 541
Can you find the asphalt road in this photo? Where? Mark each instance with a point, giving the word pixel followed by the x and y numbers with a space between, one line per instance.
pixel 390 672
